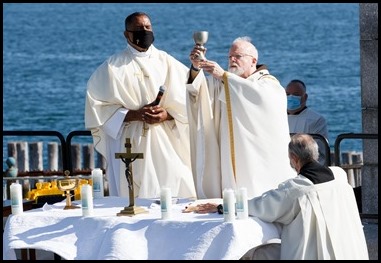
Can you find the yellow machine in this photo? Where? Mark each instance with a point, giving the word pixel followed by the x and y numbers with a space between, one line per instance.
pixel 50 189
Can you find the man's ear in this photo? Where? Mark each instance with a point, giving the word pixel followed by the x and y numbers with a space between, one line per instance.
pixel 125 34
pixel 292 158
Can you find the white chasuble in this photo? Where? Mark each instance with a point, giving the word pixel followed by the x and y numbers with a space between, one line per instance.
pixel 128 81
pixel 260 129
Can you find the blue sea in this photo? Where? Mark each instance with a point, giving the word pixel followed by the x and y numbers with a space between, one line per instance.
pixel 50 50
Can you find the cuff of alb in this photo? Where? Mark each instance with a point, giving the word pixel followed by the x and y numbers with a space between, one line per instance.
pixel 194 68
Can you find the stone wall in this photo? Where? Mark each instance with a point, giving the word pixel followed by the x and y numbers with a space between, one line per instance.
pixel 369 102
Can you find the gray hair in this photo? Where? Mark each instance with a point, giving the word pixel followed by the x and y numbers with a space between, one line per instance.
pixel 304 147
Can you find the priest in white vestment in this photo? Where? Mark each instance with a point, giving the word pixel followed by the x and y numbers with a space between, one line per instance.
pixel 317 210
pixel 119 105
pixel 302 119
pixel 250 149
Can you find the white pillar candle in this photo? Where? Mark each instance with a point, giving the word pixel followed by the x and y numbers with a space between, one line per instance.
pixel 97 176
pixel 166 203
pixel 229 205
pixel 16 198
pixel 87 200
pixel 242 206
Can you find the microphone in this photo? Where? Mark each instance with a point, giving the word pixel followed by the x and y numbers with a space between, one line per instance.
pixel 159 95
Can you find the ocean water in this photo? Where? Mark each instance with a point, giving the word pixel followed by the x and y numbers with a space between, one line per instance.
pixel 50 51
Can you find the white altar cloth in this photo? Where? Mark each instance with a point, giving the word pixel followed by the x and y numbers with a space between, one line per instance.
pixel 104 235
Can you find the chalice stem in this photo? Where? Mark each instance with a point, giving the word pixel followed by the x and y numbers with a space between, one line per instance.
pixel 68 198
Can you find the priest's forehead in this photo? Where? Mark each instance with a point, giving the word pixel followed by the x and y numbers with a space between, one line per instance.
pixel 296 87
pixel 243 47
pixel 138 21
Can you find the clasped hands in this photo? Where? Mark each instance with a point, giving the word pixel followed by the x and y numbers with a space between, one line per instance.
pixel 209 66
pixel 149 113
pixel 154 114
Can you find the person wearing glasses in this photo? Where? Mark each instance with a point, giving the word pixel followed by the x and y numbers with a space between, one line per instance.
pixel 238 124
pixel 124 100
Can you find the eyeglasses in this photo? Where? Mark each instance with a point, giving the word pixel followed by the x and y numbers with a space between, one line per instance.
pixel 239 56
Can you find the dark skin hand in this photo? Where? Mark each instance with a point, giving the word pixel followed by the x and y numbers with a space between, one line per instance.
pixel 149 114
pixel 155 114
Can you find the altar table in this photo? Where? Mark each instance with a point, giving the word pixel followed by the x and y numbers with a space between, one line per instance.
pixel 104 235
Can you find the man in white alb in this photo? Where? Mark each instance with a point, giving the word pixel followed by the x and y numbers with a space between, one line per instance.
pixel 239 138
pixel 120 104
pixel 317 211
pixel 302 119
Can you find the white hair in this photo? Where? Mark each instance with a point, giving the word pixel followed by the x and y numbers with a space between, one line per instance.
pixel 252 50
pixel 244 38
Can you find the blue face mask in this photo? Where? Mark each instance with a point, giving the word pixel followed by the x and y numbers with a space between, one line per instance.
pixel 293 102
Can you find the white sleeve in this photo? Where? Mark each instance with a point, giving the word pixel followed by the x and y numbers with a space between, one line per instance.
pixel 113 126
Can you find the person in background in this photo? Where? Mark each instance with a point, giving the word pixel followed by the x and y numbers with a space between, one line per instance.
pixel 316 210
pixel 239 138
pixel 302 119
pixel 123 101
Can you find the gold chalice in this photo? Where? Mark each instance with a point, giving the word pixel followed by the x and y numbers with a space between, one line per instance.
pixel 67 185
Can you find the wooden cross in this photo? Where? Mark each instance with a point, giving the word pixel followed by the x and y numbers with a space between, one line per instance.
pixel 128 158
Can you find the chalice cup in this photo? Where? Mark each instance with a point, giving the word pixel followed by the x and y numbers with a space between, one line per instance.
pixel 200 38
pixel 67 185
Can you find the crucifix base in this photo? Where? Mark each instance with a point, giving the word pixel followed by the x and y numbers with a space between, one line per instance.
pixel 131 210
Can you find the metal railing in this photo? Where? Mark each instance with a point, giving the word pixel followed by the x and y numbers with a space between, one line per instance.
pixel 65 165
pixel 66 143
pixel 338 141
pixel 343 136
pixel 69 138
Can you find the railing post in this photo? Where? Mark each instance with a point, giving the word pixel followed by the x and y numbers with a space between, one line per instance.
pixel 69 137
pixel 44 133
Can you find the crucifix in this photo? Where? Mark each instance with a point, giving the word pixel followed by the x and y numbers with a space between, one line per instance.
pixel 128 158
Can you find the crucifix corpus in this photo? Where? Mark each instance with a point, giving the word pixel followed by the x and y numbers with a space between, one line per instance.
pixel 128 158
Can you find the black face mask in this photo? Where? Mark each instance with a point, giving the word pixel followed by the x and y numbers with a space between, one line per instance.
pixel 143 38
